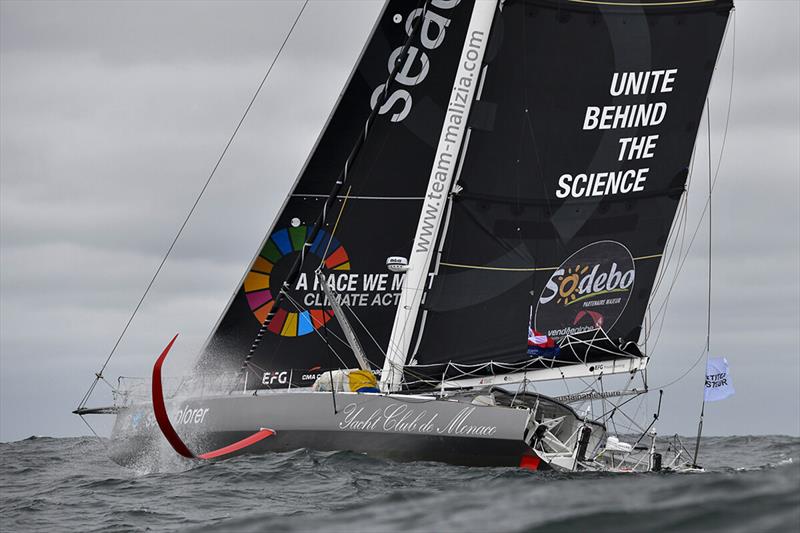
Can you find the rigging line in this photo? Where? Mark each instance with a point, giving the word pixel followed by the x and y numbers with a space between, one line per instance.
pixel 710 187
pixel 300 309
pixel 339 197
pixel 88 425
pixel 501 269
pixel 724 137
pixel 321 219
pixel 708 322
pixel 619 406
pixel 445 230
pixel 526 122
pixel 684 222
pixel 681 229
pixel 707 347
pixel 730 99
pixel 529 123
pixel 642 4
pixel 88 392
pixel 672 238
pixel 199 196
pixel 682 261
pixel 602 397
pixel 686 373
pixel 352 312
pixel 614 406
pixel 632 419
pixel 589 386
pixel 719 165
pixel 590 345
pixel 335 225
pixel 330 370
pixel 665 303
pixel 525 269
pixel 680 235
pixel 485 228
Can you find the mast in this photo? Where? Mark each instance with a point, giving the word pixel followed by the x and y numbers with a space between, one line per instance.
pixel 439 185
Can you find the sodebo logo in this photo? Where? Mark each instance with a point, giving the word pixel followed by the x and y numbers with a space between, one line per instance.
pixel 590 290
pixel 416 65
pixel 576 284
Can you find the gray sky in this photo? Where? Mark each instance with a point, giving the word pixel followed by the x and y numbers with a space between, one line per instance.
pixel 113 113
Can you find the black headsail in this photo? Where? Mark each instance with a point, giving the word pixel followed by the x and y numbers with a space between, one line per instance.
pixel 577 159
pixel 372 218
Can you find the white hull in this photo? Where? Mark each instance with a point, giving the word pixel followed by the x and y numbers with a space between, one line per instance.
pixel 456 430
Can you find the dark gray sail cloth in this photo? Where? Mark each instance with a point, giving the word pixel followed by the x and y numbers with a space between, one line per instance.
pixel 577 160
pixel 381 198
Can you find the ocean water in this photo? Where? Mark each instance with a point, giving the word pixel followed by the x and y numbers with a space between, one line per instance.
pixel 68 484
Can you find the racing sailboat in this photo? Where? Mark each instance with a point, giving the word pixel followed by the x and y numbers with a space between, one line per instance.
pixel 486 211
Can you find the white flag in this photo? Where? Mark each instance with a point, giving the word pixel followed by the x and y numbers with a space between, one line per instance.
pixel 718 380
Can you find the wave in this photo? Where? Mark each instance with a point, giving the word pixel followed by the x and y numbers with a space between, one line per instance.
pixel 752 484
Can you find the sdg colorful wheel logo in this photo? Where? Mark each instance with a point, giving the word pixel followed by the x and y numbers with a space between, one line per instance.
pixel 282 245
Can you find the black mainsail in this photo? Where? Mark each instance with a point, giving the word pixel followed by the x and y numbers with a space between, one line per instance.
pixel 374 214
pixel 577 158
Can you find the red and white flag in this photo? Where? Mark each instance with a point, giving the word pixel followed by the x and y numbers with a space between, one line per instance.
pixel 540 340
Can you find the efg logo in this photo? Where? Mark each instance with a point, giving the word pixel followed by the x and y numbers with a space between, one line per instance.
pixel 589 291
pixel 416 64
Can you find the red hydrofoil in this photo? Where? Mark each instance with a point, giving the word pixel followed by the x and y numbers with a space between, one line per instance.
pixel 172 436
